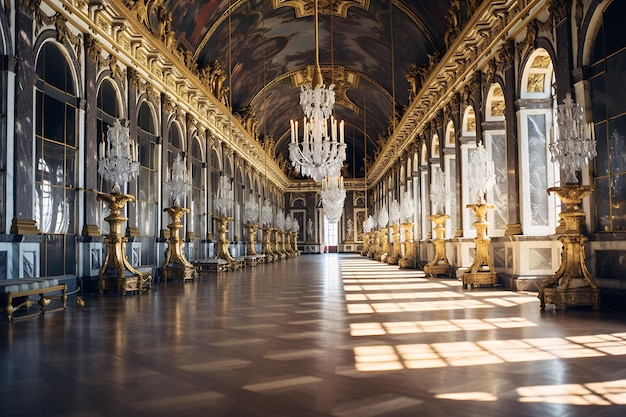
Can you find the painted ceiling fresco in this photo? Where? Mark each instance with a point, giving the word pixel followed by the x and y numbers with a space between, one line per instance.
pixel 266 47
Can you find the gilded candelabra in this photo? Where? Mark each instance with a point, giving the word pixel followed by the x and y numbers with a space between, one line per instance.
pixel 374 244
pixel 482 271
pixel 397 248
pixel 574 146
pixel 408 260
pixel 251 228
pixel 572 283
pixel 118 165
pixel 116 272
pixel 270 256
pixel 439 265
pixel 176 265
pixel 394 220
pixel 222 240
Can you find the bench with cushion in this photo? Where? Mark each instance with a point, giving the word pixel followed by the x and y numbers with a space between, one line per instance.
pixel 204 266
pixel 15 294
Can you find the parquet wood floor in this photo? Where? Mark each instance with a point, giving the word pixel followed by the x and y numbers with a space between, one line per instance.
pixel 316 335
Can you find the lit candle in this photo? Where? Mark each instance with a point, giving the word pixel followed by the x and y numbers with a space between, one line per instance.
pixel 341 125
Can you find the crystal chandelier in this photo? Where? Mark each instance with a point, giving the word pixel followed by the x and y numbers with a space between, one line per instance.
pixel 266 214
pixel 368 224
pixel 438 190
pixel 481 173
pixel 322 150
pixel 177 187
pixel 574 144
pixel 394 212
pixel 251 212
pixel 383 216
pixel 288 223
pixel 333 198
pixel 295 226
pixel 120 163
pixel 280 220
pixel 406 209
pixel 224 198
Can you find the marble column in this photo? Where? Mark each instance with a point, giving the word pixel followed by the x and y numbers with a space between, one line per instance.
pixel 91 222
pixel 23 222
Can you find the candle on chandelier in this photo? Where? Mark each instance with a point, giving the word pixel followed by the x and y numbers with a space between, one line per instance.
pixel 341 125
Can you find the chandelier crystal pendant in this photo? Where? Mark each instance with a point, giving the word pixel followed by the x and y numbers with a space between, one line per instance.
pixel 267 216
pixel 407 209
pixel 177 186
pixel 574 144
pixel 224 198
pixel 322 151
pixel 333 198
pixel 482 176
pixel 120 164
pixel 251 212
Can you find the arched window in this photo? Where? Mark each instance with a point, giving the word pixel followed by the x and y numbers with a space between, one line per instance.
pixel 538 209
pixel 148 182
pixel 107 112
pixel 495 141
pixel 608 95
pixel 55 156
pixel 449 162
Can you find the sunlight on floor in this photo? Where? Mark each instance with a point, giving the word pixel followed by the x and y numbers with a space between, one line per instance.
pixel 466 353
pixel 435 326
pixel 415 306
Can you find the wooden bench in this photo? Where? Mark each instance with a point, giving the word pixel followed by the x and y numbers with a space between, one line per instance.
pixel 15 294
pixel 204 266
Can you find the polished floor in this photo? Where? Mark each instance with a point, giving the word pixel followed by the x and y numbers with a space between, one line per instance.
pixel 316 335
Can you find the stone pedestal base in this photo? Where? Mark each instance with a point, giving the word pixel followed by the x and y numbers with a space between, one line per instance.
pixel 479 278
pixel 563 297
pixel 179 272
pixel 443 269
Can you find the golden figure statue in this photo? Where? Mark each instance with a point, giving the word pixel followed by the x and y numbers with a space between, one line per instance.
pixel 116 272
pixel 251 238
pixel 176 265
pixel 222 240
pixel 366 244
pixel 397 248
pixel 270 256
pixel 439 265
pixel 482 271
pixel 572 283
pixel 408 260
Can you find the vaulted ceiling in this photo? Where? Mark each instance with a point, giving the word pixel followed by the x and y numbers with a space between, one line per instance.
pixel 267 49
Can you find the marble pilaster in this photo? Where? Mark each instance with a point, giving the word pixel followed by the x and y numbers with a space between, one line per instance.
pixel 24 168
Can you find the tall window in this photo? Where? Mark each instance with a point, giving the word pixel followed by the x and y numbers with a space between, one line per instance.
pixel 608 95
pixel 147 191
pixel 106 113
pixel 197 192
pixel 55 156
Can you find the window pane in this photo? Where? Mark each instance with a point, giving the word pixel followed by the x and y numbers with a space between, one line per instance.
pixel 618 201
pixel 617 129
pixel 602 160
pixel 70 126
pixel 54 119
pixel 603 204
pixel 615 75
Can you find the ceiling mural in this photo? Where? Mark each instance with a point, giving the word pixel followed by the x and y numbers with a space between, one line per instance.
pixel 267 48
